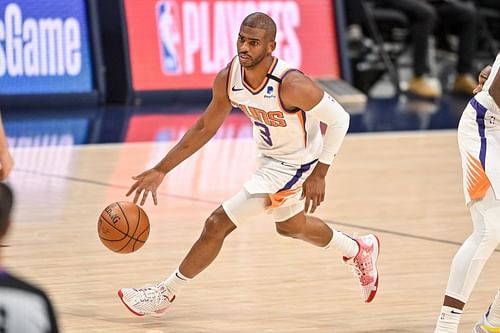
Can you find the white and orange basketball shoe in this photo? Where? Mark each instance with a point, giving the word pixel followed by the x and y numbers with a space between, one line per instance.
pixel 364 265
pixel 150 300
pixel 483 326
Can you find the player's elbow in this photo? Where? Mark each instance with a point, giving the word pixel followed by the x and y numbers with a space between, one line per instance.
pixel 344 119
pixel 341 119
pixel 206 129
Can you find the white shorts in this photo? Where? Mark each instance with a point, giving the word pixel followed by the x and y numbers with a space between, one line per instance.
pixel 479 143
pixel 275 187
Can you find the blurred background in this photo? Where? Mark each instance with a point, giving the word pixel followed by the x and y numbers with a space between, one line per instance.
pixel 98 71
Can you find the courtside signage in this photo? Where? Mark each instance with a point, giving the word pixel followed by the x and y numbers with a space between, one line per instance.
pixel 44 47
pixel 176 44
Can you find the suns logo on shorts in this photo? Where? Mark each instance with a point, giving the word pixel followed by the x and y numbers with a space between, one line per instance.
pixel 270 118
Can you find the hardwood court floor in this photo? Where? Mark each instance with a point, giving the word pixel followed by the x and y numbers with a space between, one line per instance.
pixel 406 187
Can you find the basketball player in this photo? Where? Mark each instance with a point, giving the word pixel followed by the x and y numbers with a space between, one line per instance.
pixel 23 307
pixel 479 143
pixel 6 161
pixel 286 108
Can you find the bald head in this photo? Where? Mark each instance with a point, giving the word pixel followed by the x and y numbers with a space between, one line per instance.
pixel 261 21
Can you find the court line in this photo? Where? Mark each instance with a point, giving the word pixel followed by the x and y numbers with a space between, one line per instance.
pixel 96 182
pixel 396 233
pixel 390 232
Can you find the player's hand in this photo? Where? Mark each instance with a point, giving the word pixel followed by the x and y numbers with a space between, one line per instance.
pixel 146 182
pixel 483 76
pixel 6 164
pixel 313 190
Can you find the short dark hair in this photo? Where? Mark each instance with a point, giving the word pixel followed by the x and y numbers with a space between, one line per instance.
pixel 6 203
pixel 261 21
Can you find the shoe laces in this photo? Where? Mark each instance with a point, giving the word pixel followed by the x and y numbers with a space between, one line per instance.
pixel 363 266
pixel 152 294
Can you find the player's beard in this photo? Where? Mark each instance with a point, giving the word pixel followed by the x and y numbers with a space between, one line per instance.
pixel 254 61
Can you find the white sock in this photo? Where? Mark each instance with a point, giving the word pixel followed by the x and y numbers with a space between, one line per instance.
pixel 494 312
pixel 176 282
pixel 448 320
pixel 343 243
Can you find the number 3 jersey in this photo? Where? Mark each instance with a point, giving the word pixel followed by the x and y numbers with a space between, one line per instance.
pixel 286 135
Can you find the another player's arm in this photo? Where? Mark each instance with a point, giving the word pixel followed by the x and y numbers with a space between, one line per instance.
pixel 6 161
pixel 483 76
pixel 196 137
pixel 299 91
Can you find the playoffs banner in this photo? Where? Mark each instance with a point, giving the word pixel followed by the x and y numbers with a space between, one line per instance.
pixel 178 44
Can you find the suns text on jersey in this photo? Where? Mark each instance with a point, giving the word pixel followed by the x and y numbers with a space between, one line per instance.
pixel 270 118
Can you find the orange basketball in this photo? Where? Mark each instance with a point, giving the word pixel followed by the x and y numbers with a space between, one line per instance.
pixel 123 227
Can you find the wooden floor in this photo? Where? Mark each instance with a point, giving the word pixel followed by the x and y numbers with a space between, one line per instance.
pixel 405 187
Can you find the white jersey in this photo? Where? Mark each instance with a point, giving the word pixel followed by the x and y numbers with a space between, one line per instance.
pixel 494 71
pixel 479 142
pixel 289 136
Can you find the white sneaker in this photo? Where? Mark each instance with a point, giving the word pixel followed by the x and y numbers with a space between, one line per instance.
pixel 483 326
pixel 150 300
pixel 364 265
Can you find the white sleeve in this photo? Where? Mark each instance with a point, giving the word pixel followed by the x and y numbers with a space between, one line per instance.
pixel 332 114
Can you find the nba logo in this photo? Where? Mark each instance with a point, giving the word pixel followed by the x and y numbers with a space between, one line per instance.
pixel 169 31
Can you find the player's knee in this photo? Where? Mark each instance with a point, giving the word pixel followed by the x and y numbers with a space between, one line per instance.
pixel 218 225
pixel 486 239
pixel 492 234
pixel 288 229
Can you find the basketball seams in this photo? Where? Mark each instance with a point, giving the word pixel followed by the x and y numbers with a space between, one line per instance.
pixel 131 237
pixel 125 216
pixel 128 228
pixel 138 224
pixel 121 231
pixel 139 236
pixel 127 243
pixel 114 227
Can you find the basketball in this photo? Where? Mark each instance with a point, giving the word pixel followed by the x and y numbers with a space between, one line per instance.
pixel 123 227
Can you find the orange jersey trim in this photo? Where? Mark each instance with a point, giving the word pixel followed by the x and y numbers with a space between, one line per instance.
pixel 301 115
pixel 264 82
pixel 230 78
pixel 477 180
pixel 278 198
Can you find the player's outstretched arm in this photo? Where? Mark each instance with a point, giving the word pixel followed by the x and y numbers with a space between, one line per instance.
pixel 6 161
pixel 195 138
pixel 299 91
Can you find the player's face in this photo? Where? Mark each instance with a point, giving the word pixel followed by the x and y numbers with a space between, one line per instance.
pixel 253 46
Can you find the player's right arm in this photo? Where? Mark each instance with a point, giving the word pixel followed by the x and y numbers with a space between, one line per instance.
pixel 196 137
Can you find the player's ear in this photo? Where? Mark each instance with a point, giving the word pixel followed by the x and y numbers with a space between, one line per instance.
pixel 271 46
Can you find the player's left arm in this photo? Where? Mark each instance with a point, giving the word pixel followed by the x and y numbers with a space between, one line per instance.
pixel 482 77
pixel 299 91
pixel 6 161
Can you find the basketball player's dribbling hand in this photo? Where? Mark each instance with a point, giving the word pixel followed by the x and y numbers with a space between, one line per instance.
pixel 313 190
pixel 146 182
